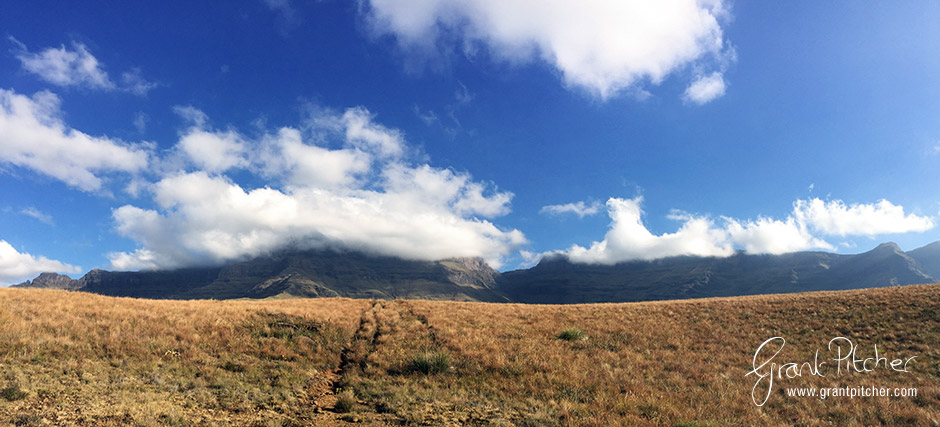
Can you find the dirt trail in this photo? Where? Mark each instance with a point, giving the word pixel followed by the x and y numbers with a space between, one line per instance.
pixel 382 323
pixel 353 357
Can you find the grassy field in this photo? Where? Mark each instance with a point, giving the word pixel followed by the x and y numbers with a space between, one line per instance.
pixel 81 359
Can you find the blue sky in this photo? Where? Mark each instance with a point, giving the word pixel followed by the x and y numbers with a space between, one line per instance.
pixel 157 136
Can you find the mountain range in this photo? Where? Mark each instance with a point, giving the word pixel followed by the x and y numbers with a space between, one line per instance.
pixel 555 280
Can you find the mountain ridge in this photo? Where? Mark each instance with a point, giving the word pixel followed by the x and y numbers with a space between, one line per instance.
pixel 554 280
pixel 306 274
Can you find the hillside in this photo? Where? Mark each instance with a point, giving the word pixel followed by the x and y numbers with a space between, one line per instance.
pixel 71 358
pixel 305 274
pixel 555 280
pixel 558 281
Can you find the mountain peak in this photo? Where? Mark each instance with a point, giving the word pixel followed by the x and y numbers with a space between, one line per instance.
pixel 884 249
pixel 51 281
pixel 888 246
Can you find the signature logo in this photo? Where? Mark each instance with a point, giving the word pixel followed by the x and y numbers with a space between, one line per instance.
pixel 841 351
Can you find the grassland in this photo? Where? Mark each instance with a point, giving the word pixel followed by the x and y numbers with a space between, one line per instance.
pixel 81 359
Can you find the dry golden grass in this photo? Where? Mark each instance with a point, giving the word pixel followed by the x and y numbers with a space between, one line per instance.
pixel 84 359
pixel 87 359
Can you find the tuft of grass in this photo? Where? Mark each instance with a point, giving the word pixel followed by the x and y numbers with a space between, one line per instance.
pixel 345 402
pixel 572 334
pixel 233 367
pixel 12 393
pixel 430 362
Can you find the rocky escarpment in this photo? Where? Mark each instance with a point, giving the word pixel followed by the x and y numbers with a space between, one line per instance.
pixel 51 281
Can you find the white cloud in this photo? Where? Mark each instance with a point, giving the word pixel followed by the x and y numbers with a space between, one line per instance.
pixel 77 67
pixel 140 121
pixel 214 151
pixel 770 236
pixel 628 238
pixel 191 114
pixel 362 196
pixel 602 46
pixel 580 209
pixel 16 267
pixel 38 215
pixel 834 218
pixel 134 83
pixel 311 165
pixel 362 133
pixel 64 67
pixel 705 89
pixel 33 136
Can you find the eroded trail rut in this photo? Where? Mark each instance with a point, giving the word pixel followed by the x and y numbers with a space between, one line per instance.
pixel 382 326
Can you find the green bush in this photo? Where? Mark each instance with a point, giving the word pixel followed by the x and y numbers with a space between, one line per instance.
pixel 430 362
pixel 572 334
pixel 12 393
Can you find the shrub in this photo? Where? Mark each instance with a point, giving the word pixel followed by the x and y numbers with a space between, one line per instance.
pixel 572 334
pixel 345 401
pixel 12 393
pixel 430 362
pixel 233 367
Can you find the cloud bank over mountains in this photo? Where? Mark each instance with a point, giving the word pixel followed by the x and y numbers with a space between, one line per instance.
pixel 343 180
pixel 605 47
pixel 628 239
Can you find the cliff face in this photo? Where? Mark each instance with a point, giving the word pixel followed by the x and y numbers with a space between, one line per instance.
pixel 470 272
pixel 308 274
pixel 312 274
pixel 558 281
pixel 51 281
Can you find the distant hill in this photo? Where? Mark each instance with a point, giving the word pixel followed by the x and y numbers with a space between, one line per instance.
pixel 929 258
pixel 555 280
pixel 307 274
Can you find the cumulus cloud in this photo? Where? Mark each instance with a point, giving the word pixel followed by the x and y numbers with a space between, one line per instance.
pixel 350 186
pixel 33 136
pixel 18 266
pixel 362 133
pixel 771 236
pixel 705 89
pixel 580 209
pixel 628 238
pixel 601 46
pixel 304 165
pixel 835 218
pixel 213 151
pixel 77 67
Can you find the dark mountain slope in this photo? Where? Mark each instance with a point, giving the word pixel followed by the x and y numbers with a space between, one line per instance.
pixel 299 274
pixel 557 280
pixel 929 258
